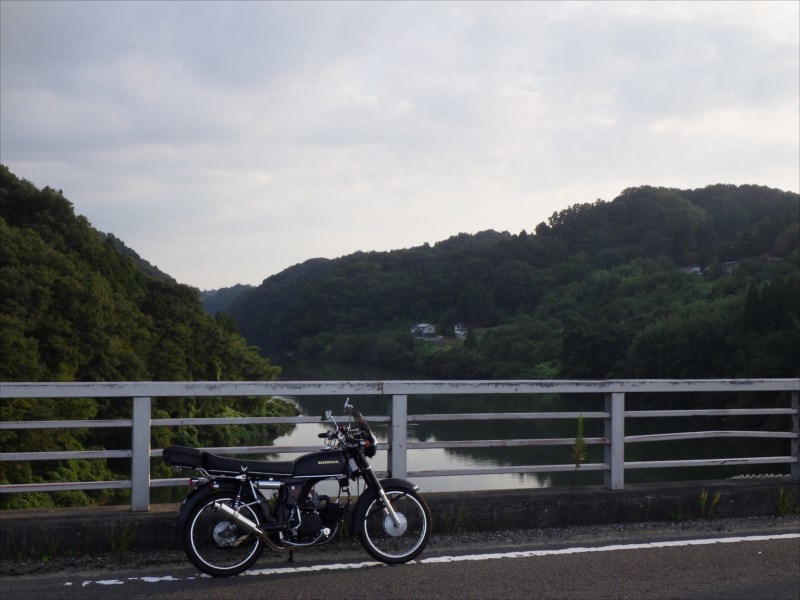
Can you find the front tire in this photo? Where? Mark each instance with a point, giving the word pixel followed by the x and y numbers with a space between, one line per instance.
pixel 215 545
pixel 386 541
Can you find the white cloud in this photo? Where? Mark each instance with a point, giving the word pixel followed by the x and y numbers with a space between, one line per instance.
pixel 228 140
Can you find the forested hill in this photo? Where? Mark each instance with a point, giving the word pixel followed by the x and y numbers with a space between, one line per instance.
pixel 74 306
pixel 600 290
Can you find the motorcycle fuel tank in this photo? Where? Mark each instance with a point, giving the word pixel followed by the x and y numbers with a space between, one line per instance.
pixel 330 462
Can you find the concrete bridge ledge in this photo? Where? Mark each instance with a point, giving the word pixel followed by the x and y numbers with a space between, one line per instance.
pixel 26 534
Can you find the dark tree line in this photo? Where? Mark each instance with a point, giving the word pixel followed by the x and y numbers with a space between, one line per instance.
pixel 596 292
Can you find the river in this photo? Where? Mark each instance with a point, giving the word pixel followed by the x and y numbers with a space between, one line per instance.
pixel 435 459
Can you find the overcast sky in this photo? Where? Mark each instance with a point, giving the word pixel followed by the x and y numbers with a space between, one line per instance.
pixel 225 142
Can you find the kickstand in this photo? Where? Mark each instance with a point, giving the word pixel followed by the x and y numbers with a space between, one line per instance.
pixel 291 556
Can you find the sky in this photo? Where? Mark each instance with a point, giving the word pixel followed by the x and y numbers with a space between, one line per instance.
pixel 227 141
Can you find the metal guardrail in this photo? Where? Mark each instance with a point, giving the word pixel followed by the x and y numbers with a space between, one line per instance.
pixel 613 417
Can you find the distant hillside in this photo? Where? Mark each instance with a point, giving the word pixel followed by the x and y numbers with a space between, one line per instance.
pixel 215 301
pixel 597 291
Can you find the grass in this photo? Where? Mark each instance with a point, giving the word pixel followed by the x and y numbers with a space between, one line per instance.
pixel 121 537
pixel 677 517
pixel 787 502
pixel 45 554
pixel 708 504
pixel 453 520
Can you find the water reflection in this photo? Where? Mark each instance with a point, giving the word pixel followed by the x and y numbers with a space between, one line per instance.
pixel 458 458
pixel 508 429
pixel 433 459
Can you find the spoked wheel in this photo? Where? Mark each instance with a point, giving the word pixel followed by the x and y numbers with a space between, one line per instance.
pixel 391 542
pixel 215 545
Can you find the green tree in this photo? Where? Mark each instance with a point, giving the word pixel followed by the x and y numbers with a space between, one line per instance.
pixel 73 308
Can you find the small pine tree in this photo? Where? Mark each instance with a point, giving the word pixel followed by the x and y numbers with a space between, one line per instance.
pixel 578 454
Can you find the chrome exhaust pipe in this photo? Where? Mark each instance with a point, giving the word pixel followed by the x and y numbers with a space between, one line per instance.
pixel 242 522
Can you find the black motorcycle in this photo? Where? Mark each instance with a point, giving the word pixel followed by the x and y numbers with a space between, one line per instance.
pixel 237 507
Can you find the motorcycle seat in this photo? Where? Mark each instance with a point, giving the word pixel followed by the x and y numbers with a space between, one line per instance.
pixel 212 462
pixel 193 458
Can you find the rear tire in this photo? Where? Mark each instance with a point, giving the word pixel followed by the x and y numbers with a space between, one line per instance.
pixel 386 541
pixel 215 545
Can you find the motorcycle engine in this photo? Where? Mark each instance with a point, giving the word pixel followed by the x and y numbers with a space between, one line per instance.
pixel 317 512
pixel 310 523
pixel 310 519
pixel 331 512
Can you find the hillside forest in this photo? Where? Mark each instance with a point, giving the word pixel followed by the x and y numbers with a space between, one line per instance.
pixel 76 305
pixel 658 283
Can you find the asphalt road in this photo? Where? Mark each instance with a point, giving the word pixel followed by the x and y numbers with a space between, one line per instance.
pixel 729 564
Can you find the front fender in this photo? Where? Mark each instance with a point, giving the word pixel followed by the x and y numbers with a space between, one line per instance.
pixel 396 482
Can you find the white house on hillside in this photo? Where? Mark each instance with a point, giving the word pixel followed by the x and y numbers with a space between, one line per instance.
pixel 423 330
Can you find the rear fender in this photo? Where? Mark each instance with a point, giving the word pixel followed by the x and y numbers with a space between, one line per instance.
pixel 197 495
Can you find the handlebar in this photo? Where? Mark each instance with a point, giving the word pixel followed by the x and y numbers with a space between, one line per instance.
pixel 345 435
pixel 356 433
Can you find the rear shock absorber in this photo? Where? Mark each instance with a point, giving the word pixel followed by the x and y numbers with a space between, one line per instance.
pixel 237 499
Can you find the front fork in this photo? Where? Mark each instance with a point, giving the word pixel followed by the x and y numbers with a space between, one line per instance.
pixel 387 507
pixel 370 476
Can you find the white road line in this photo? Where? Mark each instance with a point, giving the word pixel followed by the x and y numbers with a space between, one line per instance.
pixel 466 557
pixel 611 548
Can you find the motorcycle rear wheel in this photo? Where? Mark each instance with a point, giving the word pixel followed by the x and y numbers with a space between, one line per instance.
pixel 215 545
pixel 385 540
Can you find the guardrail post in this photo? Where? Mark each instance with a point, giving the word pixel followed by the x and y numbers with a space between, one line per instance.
pixel 398 436
pixel 614 453
pixel 795 446
pixel 140 461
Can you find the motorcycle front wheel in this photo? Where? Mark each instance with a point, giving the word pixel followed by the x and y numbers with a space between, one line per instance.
pixel 215 545
pixel 390 542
